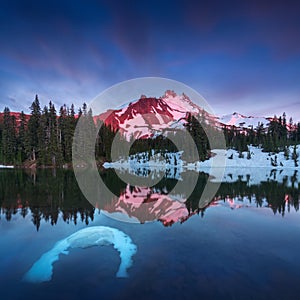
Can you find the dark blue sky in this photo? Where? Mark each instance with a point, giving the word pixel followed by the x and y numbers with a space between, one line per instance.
pixel 240 55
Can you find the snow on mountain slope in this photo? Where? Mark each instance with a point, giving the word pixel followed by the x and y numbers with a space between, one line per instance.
pixel 144 204
pixel 239 120
pixel 146 116
pixel 149 116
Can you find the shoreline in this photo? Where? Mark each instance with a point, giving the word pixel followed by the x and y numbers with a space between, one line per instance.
pixel 220 158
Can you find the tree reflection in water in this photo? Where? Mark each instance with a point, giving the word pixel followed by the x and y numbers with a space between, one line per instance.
pixel 51 195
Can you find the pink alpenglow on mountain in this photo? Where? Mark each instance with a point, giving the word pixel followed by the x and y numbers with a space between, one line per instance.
pixel 148 115
pixel 241 121
pixel 145 205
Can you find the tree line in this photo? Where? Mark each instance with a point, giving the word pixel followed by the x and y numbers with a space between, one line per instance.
pixel 53 195
pixel 45 137
pixel 278 136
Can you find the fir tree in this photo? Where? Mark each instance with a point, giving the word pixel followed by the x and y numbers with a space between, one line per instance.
pixel 33 129
pixel 44 138
pixel 9 141
pixel 286 152
pixel 295 156
pixel 69 133
pixel 54 145
pixel 21 139
pixel 248 155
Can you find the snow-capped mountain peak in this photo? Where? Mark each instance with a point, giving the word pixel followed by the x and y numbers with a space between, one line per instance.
pixel 181 102
pixel 239 120
pixel 148 115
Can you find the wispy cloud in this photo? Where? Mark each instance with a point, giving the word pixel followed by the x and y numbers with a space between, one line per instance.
pixel 235 52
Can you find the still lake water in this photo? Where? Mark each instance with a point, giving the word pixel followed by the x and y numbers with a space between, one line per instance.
pixel 244 245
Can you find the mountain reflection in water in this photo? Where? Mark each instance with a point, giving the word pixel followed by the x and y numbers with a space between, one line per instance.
pixel 51 195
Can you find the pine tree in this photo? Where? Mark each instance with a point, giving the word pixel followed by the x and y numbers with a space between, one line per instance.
pixel 250 136
pixel 62 128
pixel 248 155
pixel 286 152
pixel 290 127
pixel 21 139
pixel 9 141
pixel 54 145
pixel 1 142
pixel 69 133
pixel 43 137
pixel 195 127
pixel 284 131
pixel 260 131
pixel 295 156
pixel 33 129
pixel 85 137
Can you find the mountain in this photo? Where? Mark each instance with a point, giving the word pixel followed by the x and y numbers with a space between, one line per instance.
pixel 149 115
pixel 17 116
pixel 242 121
pixel 143 204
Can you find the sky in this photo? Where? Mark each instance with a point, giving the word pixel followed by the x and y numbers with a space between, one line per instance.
pixel 241 56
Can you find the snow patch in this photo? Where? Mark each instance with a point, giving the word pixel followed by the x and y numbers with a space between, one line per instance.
pixel 239 120
pixel 260 166
pixel 140 164
pixel 259 159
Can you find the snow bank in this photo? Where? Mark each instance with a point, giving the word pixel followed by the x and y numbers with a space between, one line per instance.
pixel 6 167
pixel 140 164
pixel 92 236
pixel 258 159
pixel 261 166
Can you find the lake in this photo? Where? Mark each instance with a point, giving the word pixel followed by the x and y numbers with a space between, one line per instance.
pixel 244 245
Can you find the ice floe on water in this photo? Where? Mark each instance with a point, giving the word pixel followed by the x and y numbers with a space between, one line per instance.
pixel 42 269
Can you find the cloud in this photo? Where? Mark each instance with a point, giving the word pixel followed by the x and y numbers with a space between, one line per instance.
pixel 233 50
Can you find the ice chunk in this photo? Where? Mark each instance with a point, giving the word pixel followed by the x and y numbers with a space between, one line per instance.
pixel 92 236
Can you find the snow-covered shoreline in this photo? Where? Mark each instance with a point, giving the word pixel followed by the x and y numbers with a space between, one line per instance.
pixel 254 170
pixel 168 160
pixel 257 159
